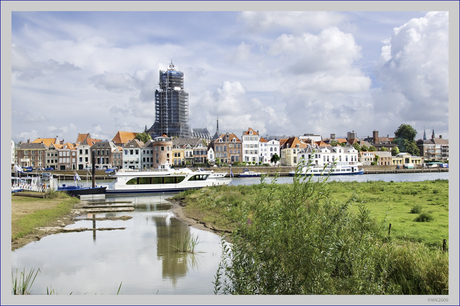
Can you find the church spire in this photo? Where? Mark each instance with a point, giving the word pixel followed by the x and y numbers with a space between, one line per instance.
pixel 217 134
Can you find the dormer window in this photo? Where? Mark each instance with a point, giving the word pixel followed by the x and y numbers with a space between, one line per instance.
pixel 250 132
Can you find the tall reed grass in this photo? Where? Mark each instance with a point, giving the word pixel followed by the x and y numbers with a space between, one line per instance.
pixel 22 281
pixel 187 244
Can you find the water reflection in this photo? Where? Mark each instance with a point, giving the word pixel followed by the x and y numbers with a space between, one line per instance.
pixel 142 256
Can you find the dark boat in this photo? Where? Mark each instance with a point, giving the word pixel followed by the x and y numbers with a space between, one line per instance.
pixel 80 190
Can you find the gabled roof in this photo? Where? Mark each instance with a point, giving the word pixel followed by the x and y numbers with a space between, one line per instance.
pixel 321 144
pixel 30 146
pixel 46 141
pixel 248 132
pixel 294 142
pixel 134 143
pixel 82 137
pixel 230 138
pixel 283 141
pixel 123 137
pixel 65 146
pixel 263 139
pixel 90 141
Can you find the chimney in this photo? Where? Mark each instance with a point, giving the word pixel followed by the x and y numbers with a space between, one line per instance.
pixel 376 137
pixel 28 140
pixel 332 136
pixel 440 136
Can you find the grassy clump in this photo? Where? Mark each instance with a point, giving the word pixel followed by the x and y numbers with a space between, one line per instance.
pixel 22 282
pixel 424 217
pixel 319 237
pixel 416 209
pixel 187 244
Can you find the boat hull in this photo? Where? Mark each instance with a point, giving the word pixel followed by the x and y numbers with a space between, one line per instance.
pixel 332 173
pixel 249 175
pixel 77 191
pixel 340 170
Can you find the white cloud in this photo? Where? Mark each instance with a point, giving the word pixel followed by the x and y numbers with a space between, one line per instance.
pixel 278 72
pixel 414 66
pixel 293 21
pixel 116 82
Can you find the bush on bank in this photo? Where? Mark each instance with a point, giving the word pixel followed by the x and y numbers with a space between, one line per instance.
pixel 300 239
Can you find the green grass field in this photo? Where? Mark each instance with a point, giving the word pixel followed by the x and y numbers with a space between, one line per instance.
pixel 388 202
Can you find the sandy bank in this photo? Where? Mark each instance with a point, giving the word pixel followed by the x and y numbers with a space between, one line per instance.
pixel 178 211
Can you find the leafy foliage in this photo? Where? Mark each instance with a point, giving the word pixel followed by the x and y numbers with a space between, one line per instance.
pixel 297 240
pixel 144 137
pixel 405 135
pixel 275 158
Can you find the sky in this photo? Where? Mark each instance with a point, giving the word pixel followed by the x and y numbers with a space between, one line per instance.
pixel 278 72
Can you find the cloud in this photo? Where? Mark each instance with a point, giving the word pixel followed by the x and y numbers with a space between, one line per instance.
pixel 112 82
pixel 27 116
pixel 241 53
pixel 414 69
pixel 330 50
pixel 293 21
pixel 63 130
pixel 25 68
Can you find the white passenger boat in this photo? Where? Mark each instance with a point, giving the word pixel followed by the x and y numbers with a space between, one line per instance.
pixel 164 180
pixel 339 169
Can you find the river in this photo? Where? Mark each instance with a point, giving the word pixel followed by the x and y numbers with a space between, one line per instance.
pixel 141 257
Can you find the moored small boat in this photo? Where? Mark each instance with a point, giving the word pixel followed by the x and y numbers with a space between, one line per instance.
pixel 339 169
pixel 78 190
pixel 248 173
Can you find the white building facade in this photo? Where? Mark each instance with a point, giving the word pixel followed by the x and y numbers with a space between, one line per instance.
pixel 251 146
pixel 322 156
pixel 132 152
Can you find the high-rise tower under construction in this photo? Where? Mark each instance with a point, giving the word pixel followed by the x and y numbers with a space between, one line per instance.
pixel 171 106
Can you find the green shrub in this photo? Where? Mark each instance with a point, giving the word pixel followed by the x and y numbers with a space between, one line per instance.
pixel 424 217
pixel 416 209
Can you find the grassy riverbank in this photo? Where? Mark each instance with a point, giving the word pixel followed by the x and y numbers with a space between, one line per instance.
pixel 28 214
pixel 328 238
pixel 398 203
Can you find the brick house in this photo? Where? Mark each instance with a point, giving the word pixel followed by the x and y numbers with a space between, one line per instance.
pixel 228 148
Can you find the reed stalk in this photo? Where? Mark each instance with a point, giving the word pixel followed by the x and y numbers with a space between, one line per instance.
pixel 22 281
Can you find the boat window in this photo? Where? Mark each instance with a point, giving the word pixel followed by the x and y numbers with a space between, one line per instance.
pixel 155 180
pixel 199 177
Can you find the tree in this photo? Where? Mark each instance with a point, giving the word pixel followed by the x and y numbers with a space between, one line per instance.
pixel 405 135
pixel 394 151
pixel 405 131
pixel 357 147
pixel 275 158
pixel 144 137
pixel 372 149
pixel 364 148
pixel 411 147
pixel 383 149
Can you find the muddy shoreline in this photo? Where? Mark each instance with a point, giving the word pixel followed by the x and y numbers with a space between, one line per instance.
pixel 53 228
pixel 177 210
pixel 58 225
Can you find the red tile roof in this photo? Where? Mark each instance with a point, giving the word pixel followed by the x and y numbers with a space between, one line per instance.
pixel 253 132
pixel 123 137
pixel 82 137
pixel 46 141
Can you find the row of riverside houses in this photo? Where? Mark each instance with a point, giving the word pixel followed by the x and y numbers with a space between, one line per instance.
pixel 125 151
